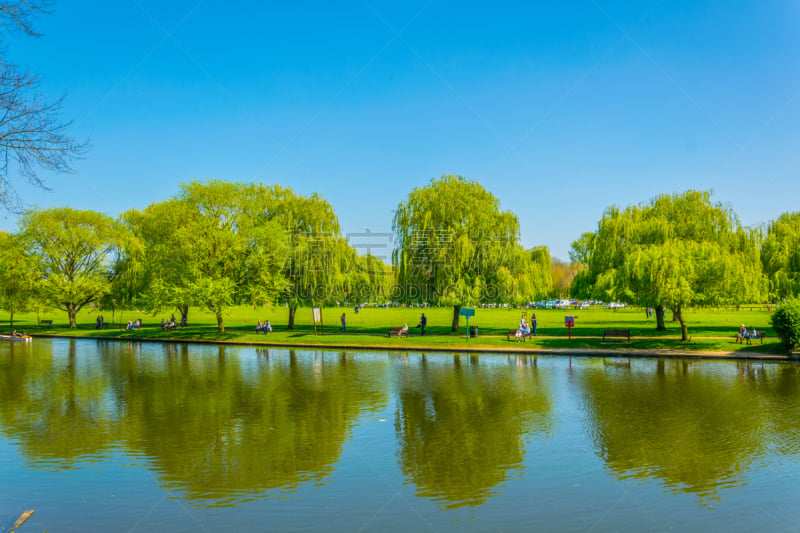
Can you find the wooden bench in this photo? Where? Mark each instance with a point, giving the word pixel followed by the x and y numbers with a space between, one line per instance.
pixel 759 335
pixel 45 322
pixel 513 333
pixel 617 333
pixel 398 331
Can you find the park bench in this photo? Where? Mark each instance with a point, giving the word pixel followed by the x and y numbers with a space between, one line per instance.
pixel 617 333
pixel 397 331
pixel 759 335
pixel 45 322
pixel 512 333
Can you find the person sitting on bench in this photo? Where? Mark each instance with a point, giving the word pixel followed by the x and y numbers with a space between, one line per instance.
pixel 403 331
pixel 742 334
pixel 523 328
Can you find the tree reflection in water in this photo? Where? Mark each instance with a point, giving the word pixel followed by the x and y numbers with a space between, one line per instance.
pixel 213 424
pixel 694 425
pixel 462 427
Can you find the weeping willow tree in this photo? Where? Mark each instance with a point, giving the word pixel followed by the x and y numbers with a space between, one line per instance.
pixel 317 259
pixel 679 250
pixel 456 247
pixel 370 279
pixel 780 256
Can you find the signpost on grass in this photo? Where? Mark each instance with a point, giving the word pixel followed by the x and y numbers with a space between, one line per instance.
pixel 467 313
pixel 316 316
pixel 569 321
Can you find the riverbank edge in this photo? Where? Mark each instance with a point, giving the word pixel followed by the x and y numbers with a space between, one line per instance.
pixel 516 350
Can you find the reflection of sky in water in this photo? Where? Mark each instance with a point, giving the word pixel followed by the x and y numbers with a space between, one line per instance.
pixel 175 436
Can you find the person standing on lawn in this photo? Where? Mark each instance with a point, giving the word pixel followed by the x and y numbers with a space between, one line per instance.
pixel 422 323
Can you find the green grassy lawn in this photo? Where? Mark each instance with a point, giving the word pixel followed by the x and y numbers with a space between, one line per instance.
pixel 710 330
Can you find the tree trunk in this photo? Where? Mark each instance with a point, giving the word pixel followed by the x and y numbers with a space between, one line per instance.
pixel 292 311
pixel 11 320
pixel 660 318
pixel 677 315
pixel 220 322
pixel 456 316
pixel 71 312
pixel 184 310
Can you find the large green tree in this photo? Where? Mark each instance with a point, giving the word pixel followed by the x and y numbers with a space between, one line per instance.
pixel 456 247
pixel 164 279
pixel 18 276
pixel 780 256
pixel 218 243
pixel 232 251
pixel 679 250
pixel 75 253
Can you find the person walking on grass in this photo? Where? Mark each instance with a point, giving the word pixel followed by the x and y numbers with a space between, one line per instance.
pixel 422 323
pixel 344 328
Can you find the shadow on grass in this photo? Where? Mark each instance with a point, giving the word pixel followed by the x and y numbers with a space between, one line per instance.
pixel 438 338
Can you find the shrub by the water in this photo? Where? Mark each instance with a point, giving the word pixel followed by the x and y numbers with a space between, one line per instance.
pixel 786 322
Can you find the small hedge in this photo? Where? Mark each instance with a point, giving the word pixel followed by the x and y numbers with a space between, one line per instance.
pixel 786 323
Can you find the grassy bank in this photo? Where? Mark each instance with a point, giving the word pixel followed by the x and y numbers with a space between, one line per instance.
pixel 710 329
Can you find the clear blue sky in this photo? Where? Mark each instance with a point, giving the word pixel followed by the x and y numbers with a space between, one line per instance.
pixel 559 108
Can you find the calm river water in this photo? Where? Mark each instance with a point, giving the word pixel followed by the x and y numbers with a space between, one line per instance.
pixel 109 436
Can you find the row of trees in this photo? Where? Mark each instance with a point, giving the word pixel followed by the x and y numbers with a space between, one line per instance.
pixel 684 250
pixel 218 244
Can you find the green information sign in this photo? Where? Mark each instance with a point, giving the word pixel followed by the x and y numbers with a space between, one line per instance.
pixel 467 313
